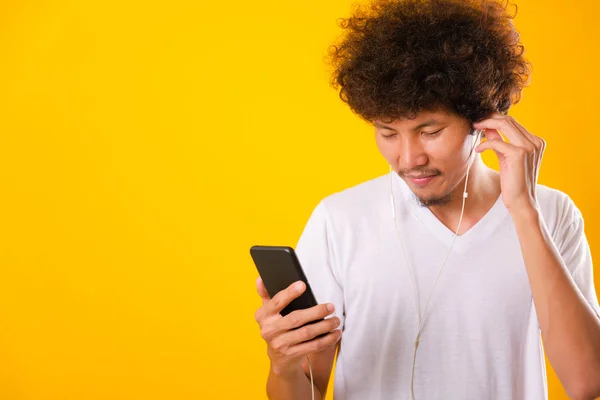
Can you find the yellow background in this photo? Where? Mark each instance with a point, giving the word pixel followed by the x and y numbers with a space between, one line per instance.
pixel 145 146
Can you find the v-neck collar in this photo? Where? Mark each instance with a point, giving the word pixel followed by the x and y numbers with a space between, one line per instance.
pixel 478 232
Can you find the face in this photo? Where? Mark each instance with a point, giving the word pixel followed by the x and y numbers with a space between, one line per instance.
pixel 430 152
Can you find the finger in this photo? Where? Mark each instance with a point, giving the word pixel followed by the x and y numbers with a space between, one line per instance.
pixel 306 333
pixel 540 146
pixel 300 317
pixel 285 297
pixel 521 130
pixel 492 134
pixel 262 290
pixel 499 146
pixel 537 141
pixel 315 345
pixel 505 126
pixel 311 331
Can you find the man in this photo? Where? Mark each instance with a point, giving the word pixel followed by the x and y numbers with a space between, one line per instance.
pixel 437 301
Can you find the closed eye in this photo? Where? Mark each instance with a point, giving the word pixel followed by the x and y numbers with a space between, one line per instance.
pixel 430 134
pixel 433 133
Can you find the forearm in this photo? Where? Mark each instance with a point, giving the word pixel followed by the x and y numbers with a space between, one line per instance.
pixel 570 328
pixel 290 386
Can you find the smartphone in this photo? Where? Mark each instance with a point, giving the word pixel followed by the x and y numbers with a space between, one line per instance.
pixel 279 267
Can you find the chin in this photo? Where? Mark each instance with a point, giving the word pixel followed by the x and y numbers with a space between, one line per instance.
pixel 428 200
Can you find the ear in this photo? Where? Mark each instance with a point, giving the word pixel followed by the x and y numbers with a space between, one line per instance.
pixel 477 136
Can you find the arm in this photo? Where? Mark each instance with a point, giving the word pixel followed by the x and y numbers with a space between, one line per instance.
pixel 296 385
pixel 570 327
pixel 314 251
pixel 289 339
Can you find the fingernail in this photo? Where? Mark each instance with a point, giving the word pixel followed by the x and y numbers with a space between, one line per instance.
pixel 330 307
pixel 299 285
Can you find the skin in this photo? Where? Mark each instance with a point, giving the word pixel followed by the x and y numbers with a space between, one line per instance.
pixel 441 147
pixel 288 375
pixel 569 326
pixel 438 142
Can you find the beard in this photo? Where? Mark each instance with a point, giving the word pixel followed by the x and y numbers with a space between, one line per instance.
pixel 434 200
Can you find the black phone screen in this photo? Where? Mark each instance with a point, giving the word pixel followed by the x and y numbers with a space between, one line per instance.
pixel 279 267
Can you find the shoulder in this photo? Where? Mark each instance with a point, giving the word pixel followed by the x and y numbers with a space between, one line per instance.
pixel 353 208
pixel 558 209
pixel 359 200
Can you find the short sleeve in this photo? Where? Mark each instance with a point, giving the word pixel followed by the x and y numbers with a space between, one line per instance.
pixel 575 251
pixel 314 250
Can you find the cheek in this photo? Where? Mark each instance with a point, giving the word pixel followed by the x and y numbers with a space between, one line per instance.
pixel 448 152
pixel 387 151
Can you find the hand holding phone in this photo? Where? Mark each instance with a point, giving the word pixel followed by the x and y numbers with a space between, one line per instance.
pixel 291 322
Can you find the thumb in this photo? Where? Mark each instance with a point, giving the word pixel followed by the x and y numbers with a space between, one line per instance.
pixel 492 134
pixel 262 290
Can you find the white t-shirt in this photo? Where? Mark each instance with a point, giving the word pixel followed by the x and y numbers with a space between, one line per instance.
pixel 481 338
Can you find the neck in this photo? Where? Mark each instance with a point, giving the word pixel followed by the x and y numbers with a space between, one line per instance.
pixel 483 189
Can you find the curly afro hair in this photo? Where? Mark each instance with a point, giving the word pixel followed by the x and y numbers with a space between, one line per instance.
pixel 397 57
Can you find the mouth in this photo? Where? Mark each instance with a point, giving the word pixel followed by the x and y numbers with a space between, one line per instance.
pixel 421 180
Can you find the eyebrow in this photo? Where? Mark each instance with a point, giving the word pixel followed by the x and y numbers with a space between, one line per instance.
pixel 422 125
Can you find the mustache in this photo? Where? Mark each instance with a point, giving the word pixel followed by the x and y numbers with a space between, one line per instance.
pixel 418 173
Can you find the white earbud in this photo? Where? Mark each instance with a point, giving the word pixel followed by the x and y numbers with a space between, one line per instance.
pixel 476 140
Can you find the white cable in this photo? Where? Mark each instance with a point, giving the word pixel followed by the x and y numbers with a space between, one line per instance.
pixel 422 317
pixel 312 384
pixel 416 298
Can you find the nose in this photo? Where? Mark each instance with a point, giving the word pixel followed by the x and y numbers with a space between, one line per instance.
pixel 412 153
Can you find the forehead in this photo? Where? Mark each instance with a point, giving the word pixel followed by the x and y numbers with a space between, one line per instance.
pixel 421 120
